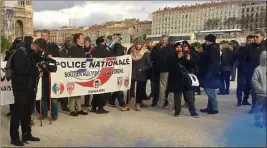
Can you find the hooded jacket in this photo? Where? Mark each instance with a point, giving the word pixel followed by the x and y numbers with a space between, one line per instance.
pixel 259 76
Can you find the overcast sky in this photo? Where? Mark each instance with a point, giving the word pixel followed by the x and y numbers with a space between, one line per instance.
pixel 54 14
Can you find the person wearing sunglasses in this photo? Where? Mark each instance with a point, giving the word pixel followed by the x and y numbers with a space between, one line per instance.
pixel 251 60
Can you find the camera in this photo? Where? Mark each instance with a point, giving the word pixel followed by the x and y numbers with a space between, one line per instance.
pixel 47 64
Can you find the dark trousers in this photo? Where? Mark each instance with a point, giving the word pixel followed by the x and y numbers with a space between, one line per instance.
pixel 87 100
pixel 225 82
pixel 119 95
pixel 241 87
pixel 140 90
pixel 233 74
pixel 100 100
pixel 21 111
pixel 155 79
pixel 189 98
pixel 64 103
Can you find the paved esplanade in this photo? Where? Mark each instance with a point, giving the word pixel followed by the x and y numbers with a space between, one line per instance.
pixel 150 127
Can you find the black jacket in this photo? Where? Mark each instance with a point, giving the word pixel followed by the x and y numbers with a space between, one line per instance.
pixel 118 50
pixel 101 51
pixel 175 78
pixel 64 53
pixel 77 51
pixel 25 72
pixel 252 56
pixel 52 49
pixel 227 60
pixel 240 56
pixel 160 58
pixel 191 65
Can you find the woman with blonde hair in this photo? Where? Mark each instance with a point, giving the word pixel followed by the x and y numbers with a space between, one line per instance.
pixel 140 65
pixel 227 63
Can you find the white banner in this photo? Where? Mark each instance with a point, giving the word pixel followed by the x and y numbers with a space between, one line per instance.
pixel 81 76
pixel 7 96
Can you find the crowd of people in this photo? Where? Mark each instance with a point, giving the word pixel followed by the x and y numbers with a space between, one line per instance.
pixel 166 65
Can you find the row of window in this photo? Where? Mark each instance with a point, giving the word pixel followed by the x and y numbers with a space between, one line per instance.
pixel 257 9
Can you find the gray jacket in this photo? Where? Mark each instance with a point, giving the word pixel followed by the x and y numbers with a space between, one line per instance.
pixel 143 64
pixel 259 76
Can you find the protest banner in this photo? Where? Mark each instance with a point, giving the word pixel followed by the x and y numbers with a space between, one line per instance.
pixel 7 96
pixel 83 76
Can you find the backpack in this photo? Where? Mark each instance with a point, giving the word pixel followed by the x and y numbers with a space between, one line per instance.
pixel 8 68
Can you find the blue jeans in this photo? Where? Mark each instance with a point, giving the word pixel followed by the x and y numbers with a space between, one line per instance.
pixel 46 102
pixel 212 99
pixel 260 108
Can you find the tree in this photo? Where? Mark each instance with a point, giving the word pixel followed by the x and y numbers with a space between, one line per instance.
pixel 196 45
pixel 5 44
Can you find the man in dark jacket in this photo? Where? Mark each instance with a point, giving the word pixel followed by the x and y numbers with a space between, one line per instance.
pixel 159 56
pixel 118 50
pixel 77 51
pixel 24 83
pixel 100 100
pixel 64 53
pixel 52 50
pixel 210 70
pixel 241 79
pixel 252 61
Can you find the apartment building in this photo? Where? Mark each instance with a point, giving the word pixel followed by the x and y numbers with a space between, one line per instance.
pixel 223 15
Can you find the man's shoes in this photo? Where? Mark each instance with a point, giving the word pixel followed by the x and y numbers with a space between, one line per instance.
pixel 204 110
pixel 137 107
pixel 86 105
pixel 258 125
pixel 54 118
pixel 213 112
pixel 238 104
pixel 17 142
pixel 112 104
pixel 220 93
pixel 28 137
pixel 176 114
pixel 143 105
pixel 245 103
pixel 8 114
pixel 102 111
pixel 195 114
pixel 93 110
pixel 81 112
pixel 74 113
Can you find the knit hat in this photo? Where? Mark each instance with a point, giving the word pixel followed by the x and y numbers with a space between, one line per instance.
pixel 139 41
pixel 210 38
pixel 100 40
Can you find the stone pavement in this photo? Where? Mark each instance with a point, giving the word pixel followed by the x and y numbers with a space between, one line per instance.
pixel 149 128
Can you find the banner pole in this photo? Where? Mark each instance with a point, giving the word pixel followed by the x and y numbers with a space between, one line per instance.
pixel 49 95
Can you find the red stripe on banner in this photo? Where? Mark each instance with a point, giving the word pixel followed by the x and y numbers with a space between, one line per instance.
pixel 111 59
pixel 107 73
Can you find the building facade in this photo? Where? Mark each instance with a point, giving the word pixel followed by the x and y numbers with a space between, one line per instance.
pixel 16 18
pixel 224 15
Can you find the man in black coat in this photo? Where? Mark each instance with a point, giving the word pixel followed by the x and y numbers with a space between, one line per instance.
pixel 117 50
pixel 160 56
pixel 251 61
pixel 24 83
pixel 209 73
pixel 99 100
pixel 241 79
pixel 76 51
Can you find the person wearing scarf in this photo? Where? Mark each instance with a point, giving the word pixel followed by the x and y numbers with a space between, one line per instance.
pixel 140 65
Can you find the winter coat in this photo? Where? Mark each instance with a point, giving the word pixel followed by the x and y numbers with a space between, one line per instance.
pixel 140 64
pixel 52 49
pixel 240 56
pixel 76 51
pixel 101 51
pixel 64 53
pixel 25 72
pixel 252 56
pixel 118 50
pixel 227 60
pixel 160 57
pixel 175 78
pixel 259 76
pixel 210 66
